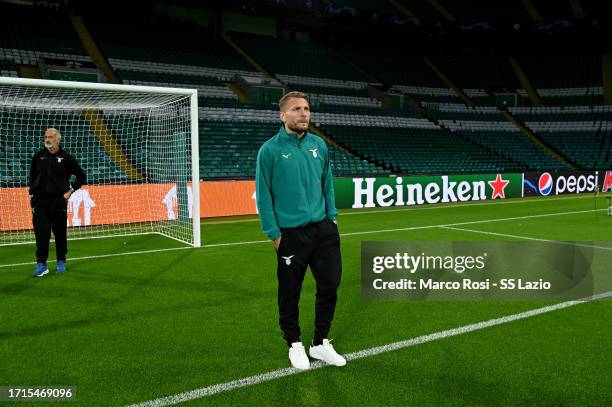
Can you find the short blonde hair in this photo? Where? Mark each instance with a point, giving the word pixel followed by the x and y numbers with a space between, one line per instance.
pixel 299 95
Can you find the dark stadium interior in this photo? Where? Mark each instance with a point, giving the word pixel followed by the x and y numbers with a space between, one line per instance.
pixel 480 86
pixel 459 133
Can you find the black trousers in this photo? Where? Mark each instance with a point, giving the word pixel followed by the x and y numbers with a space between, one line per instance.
pixel 317 246
pixel 49 213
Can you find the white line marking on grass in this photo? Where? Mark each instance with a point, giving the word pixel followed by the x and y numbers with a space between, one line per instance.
pixel 87 237
pixel 277 374
pixel 237 243
pixel 102 256
pixel 473 222
pixel 561 242
pixel 365 232
pixel 367 211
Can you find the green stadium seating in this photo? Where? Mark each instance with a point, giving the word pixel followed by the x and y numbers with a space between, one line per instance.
pixel 14 170
pixel 515 146
pixel 229 150
pixel 319 61
pixel 419 150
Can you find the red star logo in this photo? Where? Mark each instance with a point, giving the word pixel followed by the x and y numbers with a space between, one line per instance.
pixel 498 187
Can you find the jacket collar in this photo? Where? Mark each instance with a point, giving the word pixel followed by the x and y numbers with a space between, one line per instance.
pixel 47 152
pixel 291 137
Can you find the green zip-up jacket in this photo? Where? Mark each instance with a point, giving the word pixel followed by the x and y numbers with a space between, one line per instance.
pixel 294 182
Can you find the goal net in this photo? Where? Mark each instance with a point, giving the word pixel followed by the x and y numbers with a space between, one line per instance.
pixel 137 145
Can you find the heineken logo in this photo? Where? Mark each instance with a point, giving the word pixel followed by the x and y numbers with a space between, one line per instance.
pixel 368 193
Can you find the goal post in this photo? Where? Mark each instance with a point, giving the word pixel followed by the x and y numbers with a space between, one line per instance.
pixel 138 146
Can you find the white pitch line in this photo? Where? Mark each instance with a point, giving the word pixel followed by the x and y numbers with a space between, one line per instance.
pixel 237 243
pixel 277 374
pixel 474 222
pixel 561 242
pixel 101 256
pixel 84 238
pixel 429 207
pixel 365 232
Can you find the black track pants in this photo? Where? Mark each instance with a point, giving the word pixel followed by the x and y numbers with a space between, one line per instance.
pixel 49 213
pixel 317 246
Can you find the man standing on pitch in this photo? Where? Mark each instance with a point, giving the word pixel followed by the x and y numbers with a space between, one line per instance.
pixel 50 189
pixel 295 199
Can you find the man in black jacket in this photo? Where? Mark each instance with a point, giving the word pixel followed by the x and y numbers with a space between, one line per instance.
pixel 50 190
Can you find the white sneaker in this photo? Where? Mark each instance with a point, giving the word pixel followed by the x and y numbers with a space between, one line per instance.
pixel 327 354
pixel 298 357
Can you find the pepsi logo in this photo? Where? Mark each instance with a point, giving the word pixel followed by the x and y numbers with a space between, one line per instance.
pixel 545 184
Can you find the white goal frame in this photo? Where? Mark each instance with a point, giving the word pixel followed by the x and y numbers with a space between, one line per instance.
pixel 102 87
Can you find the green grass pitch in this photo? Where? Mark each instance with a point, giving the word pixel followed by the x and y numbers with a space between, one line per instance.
pixel 125 329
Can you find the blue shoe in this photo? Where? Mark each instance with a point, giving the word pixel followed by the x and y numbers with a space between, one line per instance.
pixel 41 270
pixel 61 266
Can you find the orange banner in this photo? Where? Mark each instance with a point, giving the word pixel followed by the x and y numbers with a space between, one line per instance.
pixel 112 204
pixel 227 198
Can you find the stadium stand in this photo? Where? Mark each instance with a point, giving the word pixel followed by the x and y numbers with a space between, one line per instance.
pixel 8 68
pixel 230 150
pixel 15 168
pixel 486 126
pixel 319 61
pixel 569 81
pixel 581 133
pixel 366 136
pixel 419 150
pixel 25 36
